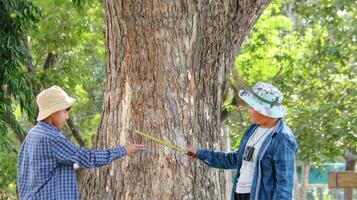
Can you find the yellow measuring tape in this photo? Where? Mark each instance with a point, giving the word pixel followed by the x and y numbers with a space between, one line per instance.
pixel 172 146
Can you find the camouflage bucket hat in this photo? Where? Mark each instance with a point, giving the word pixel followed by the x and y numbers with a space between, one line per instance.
pixel 265 99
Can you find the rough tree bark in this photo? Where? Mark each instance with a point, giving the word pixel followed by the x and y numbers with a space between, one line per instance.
pixel 167 67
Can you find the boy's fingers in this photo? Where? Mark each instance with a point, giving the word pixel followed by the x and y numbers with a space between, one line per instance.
pixel 192 155
pixel 140 147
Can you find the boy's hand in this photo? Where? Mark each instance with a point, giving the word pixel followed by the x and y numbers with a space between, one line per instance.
pixel 133 148
pixel 191 151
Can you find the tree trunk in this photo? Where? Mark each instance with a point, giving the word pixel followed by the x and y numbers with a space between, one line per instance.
pixel 305 169
pixel 290 10
pixel 350 156
pixel 75 132
pixel 167 68
pixel 50 60
pixel 11 121
pixel 296 184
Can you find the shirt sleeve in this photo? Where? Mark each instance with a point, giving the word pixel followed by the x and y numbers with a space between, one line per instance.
pixel 68 153
pixel 219 160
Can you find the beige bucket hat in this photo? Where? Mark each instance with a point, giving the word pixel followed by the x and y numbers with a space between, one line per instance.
pixel 52 100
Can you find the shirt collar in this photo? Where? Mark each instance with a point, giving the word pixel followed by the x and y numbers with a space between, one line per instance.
pixel 48 125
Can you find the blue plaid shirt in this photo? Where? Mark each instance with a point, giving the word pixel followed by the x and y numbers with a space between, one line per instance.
pixel 274 171
pixel 46 161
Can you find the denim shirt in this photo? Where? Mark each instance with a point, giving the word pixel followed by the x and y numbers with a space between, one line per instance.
pixel 274 170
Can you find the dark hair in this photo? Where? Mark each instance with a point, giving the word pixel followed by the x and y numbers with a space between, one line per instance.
pixel 69 108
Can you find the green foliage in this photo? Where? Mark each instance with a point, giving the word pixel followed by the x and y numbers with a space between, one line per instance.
pixel 75 37
pixel 325 84
pixel 79 3
pixel 8 170
pixel 17 17
pixel 77 40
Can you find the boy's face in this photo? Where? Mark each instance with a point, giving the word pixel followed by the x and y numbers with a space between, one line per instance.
pixel 256 117
pixel 58 118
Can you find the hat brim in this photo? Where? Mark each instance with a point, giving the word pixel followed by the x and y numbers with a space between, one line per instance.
pixel 68 102
pixel 261 107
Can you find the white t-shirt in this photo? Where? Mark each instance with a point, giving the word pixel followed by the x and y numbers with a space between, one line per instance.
pixel 244 182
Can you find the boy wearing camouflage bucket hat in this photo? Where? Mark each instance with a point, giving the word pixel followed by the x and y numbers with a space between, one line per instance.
pixel 47 158
pixel 265 157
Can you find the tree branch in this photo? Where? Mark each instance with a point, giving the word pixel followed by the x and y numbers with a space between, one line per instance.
pixel 15 125
pixel 75 132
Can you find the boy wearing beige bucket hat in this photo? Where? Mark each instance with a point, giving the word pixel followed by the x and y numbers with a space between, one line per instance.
pixel 265 158
pixel 46 158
